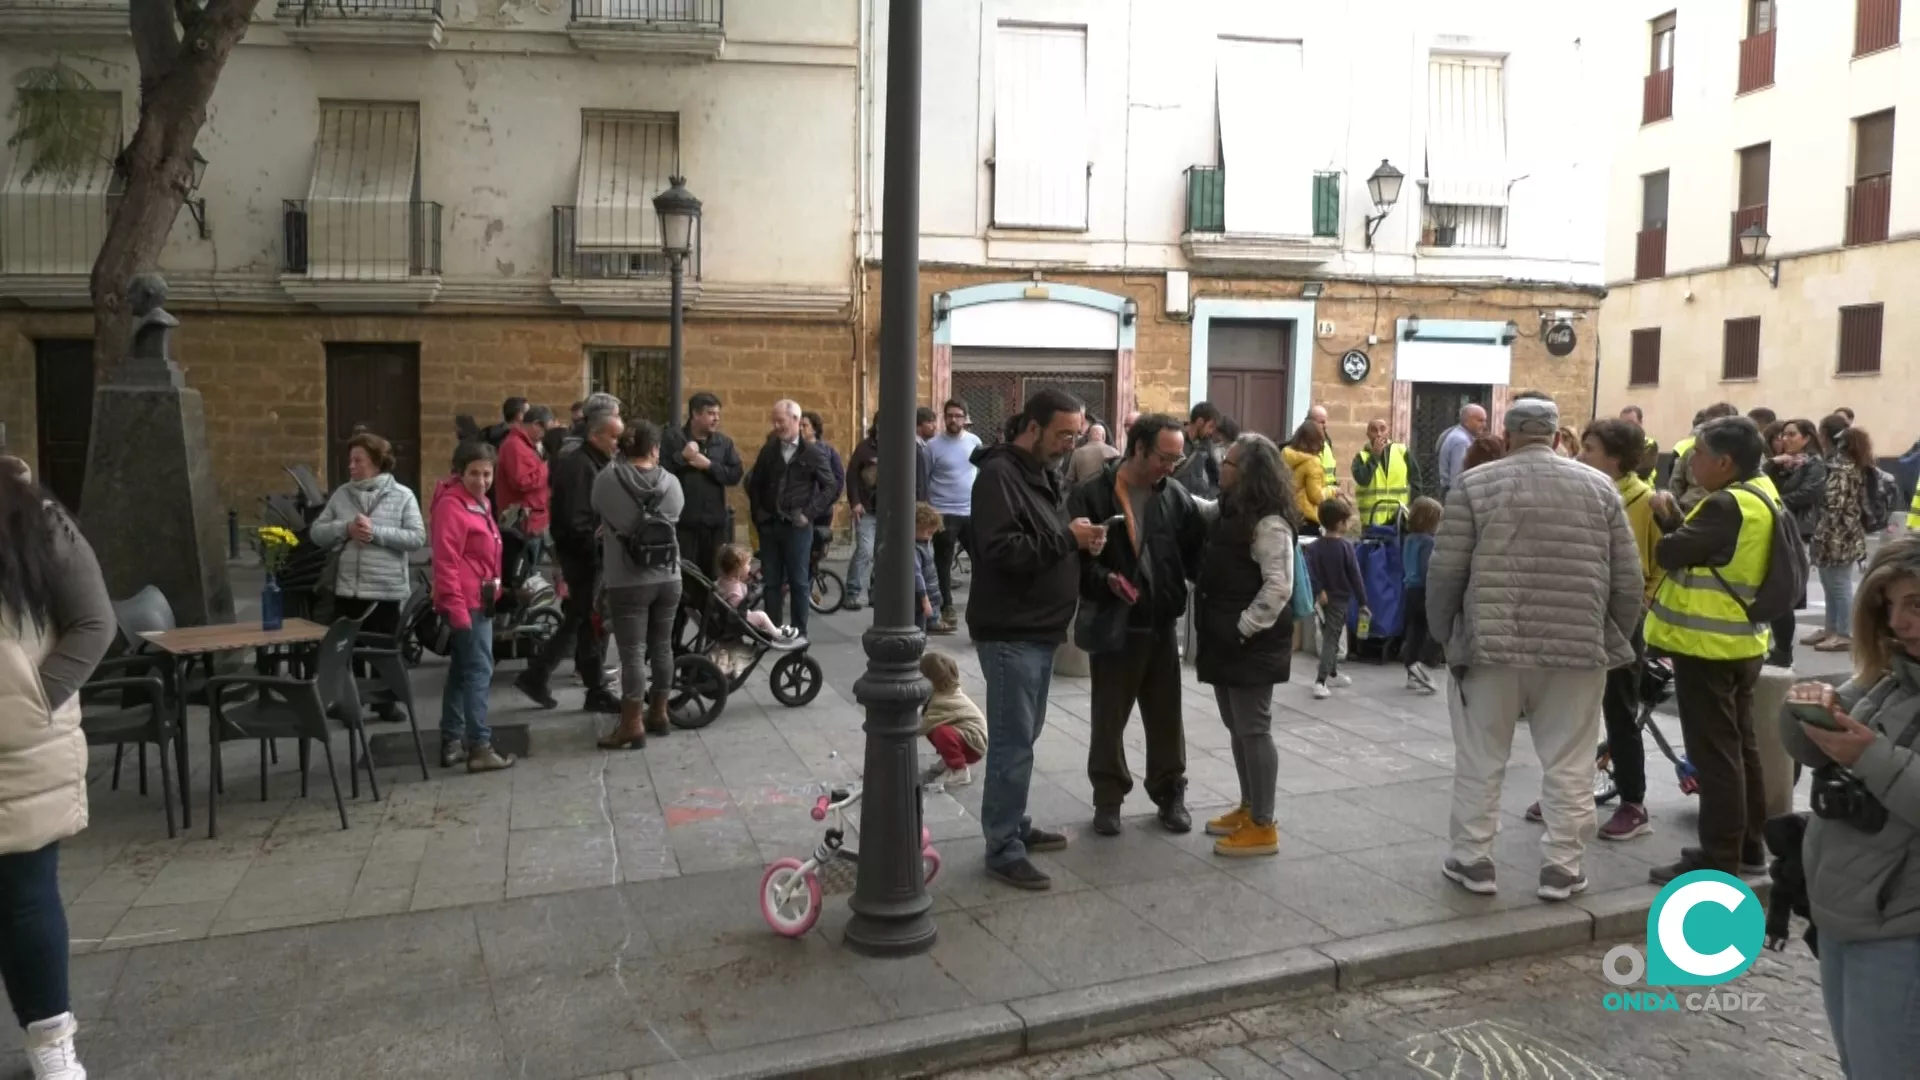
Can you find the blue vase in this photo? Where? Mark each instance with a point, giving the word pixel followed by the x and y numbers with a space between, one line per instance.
pixel 272 605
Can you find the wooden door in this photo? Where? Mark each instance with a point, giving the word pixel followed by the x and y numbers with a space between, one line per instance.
pixel 374 387
pixel 63 414
pixel 1247 372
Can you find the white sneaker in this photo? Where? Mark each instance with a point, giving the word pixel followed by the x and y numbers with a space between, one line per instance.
pixel 939 777
pixel 50 1049
pixel 1320 691
pixel 1340 682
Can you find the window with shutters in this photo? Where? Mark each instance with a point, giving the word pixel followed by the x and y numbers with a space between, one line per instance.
pixel 638 377
pixel 612 230
pixel 1467 177
pixel 1041 144
pixel 1870 199
pixel 1643 365
pixel 1756 49
pixel 1860 330
pixel 1750 202
pixel 53 222
pixel 363 218
pixel 1740 358
pixel 1876 25
pixel 1656 93
pixel 1650 251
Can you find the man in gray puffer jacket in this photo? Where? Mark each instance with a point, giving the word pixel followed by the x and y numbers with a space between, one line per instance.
pixel 1535 587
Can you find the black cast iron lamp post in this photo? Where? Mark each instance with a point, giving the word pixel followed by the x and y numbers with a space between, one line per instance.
pixel 679 215
pixel 890 900
pixel 1383 187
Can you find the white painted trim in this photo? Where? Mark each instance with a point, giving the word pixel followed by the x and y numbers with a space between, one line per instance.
pixel 1034 324
pixel 1299 365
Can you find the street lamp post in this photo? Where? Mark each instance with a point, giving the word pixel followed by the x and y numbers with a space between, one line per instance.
pixel 1383 187
pixel 679 215
pixel 890 899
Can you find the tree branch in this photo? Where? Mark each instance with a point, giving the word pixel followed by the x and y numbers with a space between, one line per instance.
pixel 156 45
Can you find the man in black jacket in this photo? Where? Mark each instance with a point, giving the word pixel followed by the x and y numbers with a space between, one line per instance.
pixel 863 488
pixel 573 528
pixel 706 463
pixel 1026 574
pixel 1137 588
pixel 790 488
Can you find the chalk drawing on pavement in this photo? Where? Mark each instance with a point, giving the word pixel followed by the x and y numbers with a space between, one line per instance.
pixel 1490 1050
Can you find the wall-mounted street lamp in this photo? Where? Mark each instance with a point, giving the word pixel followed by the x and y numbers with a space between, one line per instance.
pixel 942 307
pixel 679 216
pixel 1384 188
pixel 1753 250
pixel 198 207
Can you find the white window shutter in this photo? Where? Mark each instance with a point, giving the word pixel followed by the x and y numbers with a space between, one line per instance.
pixel 1264 138
pixel 1041 145
pixel 1466 131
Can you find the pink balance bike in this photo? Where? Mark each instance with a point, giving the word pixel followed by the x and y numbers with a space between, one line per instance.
pixel 791 891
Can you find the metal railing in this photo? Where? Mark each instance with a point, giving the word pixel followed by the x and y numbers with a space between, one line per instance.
pixel 1650 254
pixel 1756 62
pixel 667 14
pixel 1656 97
pixel 1207 201
pixel 1450 226
pixel 1869 209
pixel 1743 219
pixel 53 232
pixel 302 10
pixel 617 244
pixel 339 240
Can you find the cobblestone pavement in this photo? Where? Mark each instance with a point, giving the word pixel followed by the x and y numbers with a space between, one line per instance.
pixel 1535 1019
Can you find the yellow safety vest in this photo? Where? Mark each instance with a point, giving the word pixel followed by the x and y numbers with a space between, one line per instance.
pixel 1328 464
pixel 1913 512
pixel 1693 614
pixel 1388 487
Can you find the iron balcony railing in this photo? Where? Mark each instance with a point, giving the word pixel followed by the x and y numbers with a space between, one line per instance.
pixel 1756 62
pixel 338 240
pixel 1876 26
pixel 1650 253
pixel 1207 201
pixel 302 10
pixel 1449 225
pixel 53 233
pixel 1869 209
pixel 601 244
pixel 665 14
pixel 1656 97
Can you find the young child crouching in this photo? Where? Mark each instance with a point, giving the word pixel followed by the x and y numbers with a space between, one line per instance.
pixel 952 723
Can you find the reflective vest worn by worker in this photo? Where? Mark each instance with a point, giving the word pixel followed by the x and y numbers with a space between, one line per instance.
pixel 1694 614
pixel 1913 512
pixel 1327 462
pixel 1387 488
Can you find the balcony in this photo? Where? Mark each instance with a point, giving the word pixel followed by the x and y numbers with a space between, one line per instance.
pixel 63 20
pixel 1444 225
pixel 1650 254
pixel 1876 26
pixel 361 24
pixel 682 30
pixel 48 241
pixel 608 260
pixel 1743 219
pixel 1756 64
pixel 1656 98
pixel 1869 209
pixel 1206 236
pixel 372 255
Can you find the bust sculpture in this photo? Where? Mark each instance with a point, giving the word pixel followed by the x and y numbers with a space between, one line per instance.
pixel 150 359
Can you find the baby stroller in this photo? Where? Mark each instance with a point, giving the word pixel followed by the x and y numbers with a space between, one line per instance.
pixel 721 647
pixel 523 620
pixel 1656 686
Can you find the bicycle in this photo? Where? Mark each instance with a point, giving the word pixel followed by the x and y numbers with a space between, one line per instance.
pixel 829 592
pixel 792 890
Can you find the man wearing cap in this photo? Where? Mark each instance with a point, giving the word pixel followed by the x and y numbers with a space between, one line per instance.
pixel 1535 587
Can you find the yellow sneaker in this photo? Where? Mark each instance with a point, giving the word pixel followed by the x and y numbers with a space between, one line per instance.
pixel 1230 822
pixel 1249 840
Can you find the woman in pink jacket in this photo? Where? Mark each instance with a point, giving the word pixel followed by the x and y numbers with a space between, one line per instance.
pixel 466 576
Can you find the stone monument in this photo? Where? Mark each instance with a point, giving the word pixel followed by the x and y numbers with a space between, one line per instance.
pixel 160 523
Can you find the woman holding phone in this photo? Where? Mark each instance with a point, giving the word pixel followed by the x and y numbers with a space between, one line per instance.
pixel 1862 850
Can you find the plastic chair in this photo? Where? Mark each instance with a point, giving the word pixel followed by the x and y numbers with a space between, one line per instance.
pixel 139 715
pixel 387 683
pixel 290 708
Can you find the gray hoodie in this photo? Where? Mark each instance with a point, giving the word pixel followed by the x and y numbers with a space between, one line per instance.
pixel 617 492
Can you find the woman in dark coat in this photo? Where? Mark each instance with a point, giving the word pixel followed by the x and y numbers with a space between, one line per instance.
pixel 1245 624
pixel 1799 470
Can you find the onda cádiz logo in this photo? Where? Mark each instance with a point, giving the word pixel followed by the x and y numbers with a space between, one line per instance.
pixel 1705 928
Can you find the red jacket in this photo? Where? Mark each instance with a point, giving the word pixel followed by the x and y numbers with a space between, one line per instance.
pixel 466 551
pixel 521 480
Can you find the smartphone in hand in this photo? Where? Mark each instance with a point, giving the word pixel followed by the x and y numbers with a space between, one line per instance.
pixel 1813 714
pixel 1123 588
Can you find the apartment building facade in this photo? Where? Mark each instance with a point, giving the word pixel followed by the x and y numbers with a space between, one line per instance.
pixel 1153 204
pixel 411 210
pixel 1760 215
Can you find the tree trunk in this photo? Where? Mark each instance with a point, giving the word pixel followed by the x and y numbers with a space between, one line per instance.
pixel 177 79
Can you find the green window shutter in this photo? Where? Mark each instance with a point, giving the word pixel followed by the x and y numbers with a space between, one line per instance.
pixel 1206 199
pixel 1326 204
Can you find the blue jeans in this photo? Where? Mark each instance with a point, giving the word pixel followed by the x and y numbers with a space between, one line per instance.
pixel 33 934
pixel 786 555
pixel 1837 583
pixel 861 566
pixel 463 707
pixel 1872 991
pixel 1018 674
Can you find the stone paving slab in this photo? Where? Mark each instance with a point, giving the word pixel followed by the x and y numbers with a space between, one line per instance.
pixel 589 913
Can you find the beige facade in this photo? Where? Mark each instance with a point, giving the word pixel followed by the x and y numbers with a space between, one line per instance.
pixel 1841 209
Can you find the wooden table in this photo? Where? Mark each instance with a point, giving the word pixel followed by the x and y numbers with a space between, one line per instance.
pixel 183 645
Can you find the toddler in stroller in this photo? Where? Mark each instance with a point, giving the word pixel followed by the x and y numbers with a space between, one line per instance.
pixel 736 564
